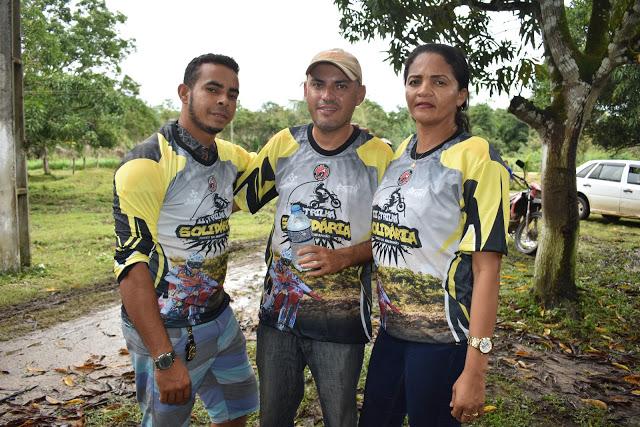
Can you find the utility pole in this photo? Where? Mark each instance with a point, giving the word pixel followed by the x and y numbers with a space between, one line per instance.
pixel 14 205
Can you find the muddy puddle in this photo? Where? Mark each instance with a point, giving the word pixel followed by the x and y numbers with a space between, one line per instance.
pixel 84 359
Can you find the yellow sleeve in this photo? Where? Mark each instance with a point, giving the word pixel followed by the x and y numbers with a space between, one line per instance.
pixel 485 198
pixel 140 184
pixel 257 185
pixel 401 148
pixel 237 155
pixel 376 153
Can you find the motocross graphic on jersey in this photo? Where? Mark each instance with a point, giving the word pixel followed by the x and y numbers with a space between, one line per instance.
pixel 172 202
pixel 429 214
pixel 335 190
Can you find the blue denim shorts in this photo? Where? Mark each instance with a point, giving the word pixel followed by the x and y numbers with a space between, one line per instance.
pixel 221 373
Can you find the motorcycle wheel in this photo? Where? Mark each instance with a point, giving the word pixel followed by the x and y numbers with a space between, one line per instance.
pixel 526 235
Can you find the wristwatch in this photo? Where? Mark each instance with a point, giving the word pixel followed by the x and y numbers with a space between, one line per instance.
pixel 483 344
pixel 165 360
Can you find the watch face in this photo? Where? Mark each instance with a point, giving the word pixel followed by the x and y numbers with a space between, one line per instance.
pixel 164 361
pixel 485 345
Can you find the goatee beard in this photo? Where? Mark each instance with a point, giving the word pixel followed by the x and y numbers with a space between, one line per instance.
pixel 199 124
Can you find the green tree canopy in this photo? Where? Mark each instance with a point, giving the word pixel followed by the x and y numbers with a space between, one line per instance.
pixel 73 97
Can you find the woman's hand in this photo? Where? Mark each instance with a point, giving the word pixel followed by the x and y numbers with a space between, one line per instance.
pixel 467 399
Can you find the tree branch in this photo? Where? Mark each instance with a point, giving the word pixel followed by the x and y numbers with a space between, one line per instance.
pixel 558 39
pixel 626 34
pixel 597 33
pixel 500 5
pixel 527 112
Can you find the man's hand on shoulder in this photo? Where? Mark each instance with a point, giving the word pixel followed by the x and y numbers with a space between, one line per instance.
pixel 174 383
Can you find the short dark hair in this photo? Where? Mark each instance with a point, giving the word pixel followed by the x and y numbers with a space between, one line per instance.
pixel 458 62
pixel 191 73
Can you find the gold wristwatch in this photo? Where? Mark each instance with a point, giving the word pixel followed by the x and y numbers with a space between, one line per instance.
pixel 484 344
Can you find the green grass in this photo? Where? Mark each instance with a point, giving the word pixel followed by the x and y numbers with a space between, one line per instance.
pixel 607 272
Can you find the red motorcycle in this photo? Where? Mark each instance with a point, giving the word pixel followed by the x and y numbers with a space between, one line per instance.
pixel 525 222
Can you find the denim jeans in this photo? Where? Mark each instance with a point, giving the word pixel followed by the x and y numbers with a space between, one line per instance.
pixel 411 378
pixel 281 359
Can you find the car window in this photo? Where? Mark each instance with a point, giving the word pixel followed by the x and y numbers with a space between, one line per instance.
pixel 608 172
pixel 634 175
pixel 585 171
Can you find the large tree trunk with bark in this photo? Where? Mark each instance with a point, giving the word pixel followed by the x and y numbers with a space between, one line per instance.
pixel 555 273
pixel 556 258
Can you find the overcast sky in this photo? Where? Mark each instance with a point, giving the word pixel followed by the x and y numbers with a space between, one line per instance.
pixel 272 41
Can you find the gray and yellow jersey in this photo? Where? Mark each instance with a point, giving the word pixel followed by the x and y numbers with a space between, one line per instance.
pixel 172 202
pixel 429 215
pixel 335 189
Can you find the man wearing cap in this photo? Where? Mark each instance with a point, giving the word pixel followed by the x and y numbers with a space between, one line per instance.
pixel 331 169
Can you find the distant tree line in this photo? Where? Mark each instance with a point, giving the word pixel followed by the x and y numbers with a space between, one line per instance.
pixel 252 129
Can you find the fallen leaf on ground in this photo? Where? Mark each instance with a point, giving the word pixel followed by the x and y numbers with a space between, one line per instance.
pixel 594 351
pixel 546 332
pixel 489 408
pixel 53 401
pixel 521 289
pixel 524 353
pixel 35 371
pixel 632 379
pixel 635 392
pixel 51 289
pixel 74 402
pixel 595 403
pixel 89 367
pixel 3 372
pixel 509 361
pixel 601 329
pixel 619 399
pixel 621 366
pixel 123 351
pixel 68 380
pixel 61 370
pixel 507 277
pixel 565 348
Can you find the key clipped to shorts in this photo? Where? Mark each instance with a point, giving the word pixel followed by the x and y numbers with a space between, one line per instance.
pixel 190 349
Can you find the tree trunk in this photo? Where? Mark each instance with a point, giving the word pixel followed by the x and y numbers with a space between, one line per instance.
pixel 556 258
pixel 97 159
pixel 73 164
pixel 45 161
pixel 555 273
pixel 84 162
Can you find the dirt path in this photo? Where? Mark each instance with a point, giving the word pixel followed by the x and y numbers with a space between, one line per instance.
pixel 81 363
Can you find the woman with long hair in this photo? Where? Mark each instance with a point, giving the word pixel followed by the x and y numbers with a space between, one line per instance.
pixel 438 234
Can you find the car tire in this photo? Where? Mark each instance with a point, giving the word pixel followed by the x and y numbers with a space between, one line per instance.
pixel 583 208
pixel 609 219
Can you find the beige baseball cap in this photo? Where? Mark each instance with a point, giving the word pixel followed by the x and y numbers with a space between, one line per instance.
pixel 342 59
